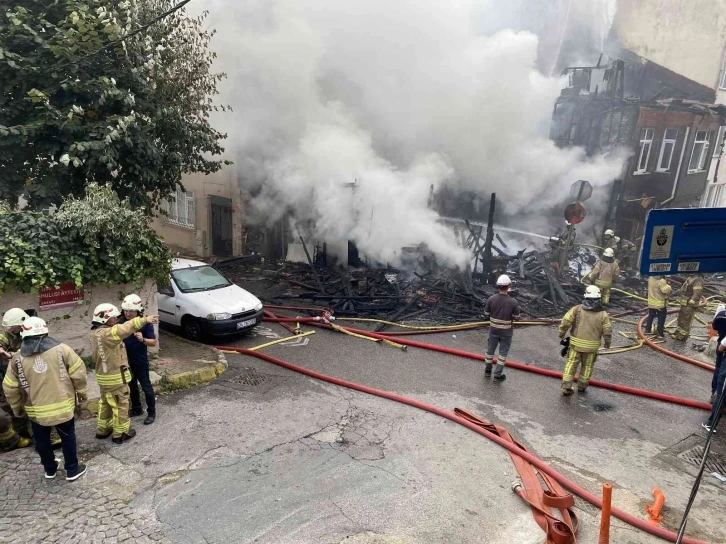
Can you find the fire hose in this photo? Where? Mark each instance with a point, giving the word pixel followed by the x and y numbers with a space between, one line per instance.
pixel 543 467
pixel 317 322
pixel 673 354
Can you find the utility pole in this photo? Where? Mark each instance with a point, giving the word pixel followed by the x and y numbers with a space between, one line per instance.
pixel 487 260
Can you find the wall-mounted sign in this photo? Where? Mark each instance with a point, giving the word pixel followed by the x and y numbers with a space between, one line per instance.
pixel 66 294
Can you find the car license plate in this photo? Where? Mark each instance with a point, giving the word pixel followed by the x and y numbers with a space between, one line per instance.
pixel 248 323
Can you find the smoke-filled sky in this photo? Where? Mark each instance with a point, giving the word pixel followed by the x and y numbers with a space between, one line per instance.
pixel 393 97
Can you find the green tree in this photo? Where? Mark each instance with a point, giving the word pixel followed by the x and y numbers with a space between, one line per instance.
pixel 83 98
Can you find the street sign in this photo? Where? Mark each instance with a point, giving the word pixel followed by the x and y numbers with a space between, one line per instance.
pixel 65 294
pixel 581 190
pixel 684 241
pixel 575 213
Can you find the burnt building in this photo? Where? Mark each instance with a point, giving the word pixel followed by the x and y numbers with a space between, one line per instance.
pixel 670 134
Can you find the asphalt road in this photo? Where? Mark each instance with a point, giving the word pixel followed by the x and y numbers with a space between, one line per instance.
pixel 338 464
pixel 266 455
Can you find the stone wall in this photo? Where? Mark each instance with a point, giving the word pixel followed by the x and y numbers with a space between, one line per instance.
pixel 72 324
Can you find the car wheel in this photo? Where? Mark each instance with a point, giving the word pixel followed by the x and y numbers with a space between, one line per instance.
pixel 192 329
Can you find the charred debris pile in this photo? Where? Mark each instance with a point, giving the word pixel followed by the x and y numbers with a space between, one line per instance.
pixel 427 290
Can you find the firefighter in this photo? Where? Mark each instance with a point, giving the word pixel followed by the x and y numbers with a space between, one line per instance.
pixel 589 324
pixel 112 370
pixel 47 380
pixel 558 243
pixel 610 240
pixel 626 254
pixel 10 343
pixel 603 274
pixel 719 372
pixel 500 310
pixel 689 298
pixel 658 291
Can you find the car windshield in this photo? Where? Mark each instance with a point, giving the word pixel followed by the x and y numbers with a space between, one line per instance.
pixel 201 278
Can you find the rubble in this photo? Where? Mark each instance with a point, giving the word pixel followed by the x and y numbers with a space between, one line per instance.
pixel 428 289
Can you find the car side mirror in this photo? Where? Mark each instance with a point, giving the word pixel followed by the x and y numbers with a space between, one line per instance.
pixel 168 291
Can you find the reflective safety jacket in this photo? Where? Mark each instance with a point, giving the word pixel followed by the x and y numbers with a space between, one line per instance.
pixel 604 273
pixel 612 243
pixel 658 291
pixel 11 343
pixel 588 328
pixel 45 384
pixel 109 353
pixel 691 291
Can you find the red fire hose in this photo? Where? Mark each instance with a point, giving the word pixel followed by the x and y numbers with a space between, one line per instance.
pixel 542 466
pixel 667 351
pixel 316 322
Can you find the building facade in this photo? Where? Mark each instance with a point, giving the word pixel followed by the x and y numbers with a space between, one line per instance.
pixel 671 141
pixel 205 219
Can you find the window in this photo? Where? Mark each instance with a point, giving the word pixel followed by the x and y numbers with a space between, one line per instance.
pixel 722 82
pixel 199 278
pixel 646 142
pixel 718 146
pixel 700 152
pixel 181 208
pixel 666 149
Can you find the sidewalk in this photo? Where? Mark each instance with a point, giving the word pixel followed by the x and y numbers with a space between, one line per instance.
pixel 180 364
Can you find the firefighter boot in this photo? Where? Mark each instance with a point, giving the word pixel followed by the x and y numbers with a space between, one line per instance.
pixel 128 435
pixel 499 373
pixel 488 370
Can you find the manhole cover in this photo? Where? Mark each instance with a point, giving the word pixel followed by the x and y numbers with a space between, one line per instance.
pixel 250 377
pixel 714 463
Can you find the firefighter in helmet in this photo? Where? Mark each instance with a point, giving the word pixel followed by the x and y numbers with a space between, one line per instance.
pixel 10 341
pixel 112 370
pixel 589 324
pixel 603 274
pixel 47 381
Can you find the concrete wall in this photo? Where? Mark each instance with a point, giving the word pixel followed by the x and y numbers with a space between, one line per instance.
pixel 197 241
pixel 685 36
pixel 72 324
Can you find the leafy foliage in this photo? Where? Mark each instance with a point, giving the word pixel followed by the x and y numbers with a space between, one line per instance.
pixel 98 239
pixel 82 102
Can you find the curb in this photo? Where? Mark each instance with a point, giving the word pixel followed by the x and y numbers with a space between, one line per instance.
pixel 191 378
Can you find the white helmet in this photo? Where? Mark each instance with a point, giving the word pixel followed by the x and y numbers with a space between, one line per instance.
pixel 132 302
pixel 14 317
pixel 104 312
pixel 34 326
pixel 592 291
pixel 608 252
pixel 609 232
pixel 504 281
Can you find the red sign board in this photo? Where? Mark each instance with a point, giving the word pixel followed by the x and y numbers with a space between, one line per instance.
pixel 575 213
pixel 65 294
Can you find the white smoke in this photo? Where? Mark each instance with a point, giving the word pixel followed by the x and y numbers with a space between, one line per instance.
pixel 348 112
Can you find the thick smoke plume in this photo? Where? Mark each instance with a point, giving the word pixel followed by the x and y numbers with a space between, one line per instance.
pixel 347 113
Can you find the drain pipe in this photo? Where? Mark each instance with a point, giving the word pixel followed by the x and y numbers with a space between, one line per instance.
pixel 678 170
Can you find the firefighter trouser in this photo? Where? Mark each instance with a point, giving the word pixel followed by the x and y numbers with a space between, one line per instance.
pixel 494 341
pixel 113 411
pixel 685 318
pixel 574 359
pixel 8 437
pixel 604 290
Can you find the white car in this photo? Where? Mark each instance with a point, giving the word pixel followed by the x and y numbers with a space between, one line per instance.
pixel 203 303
